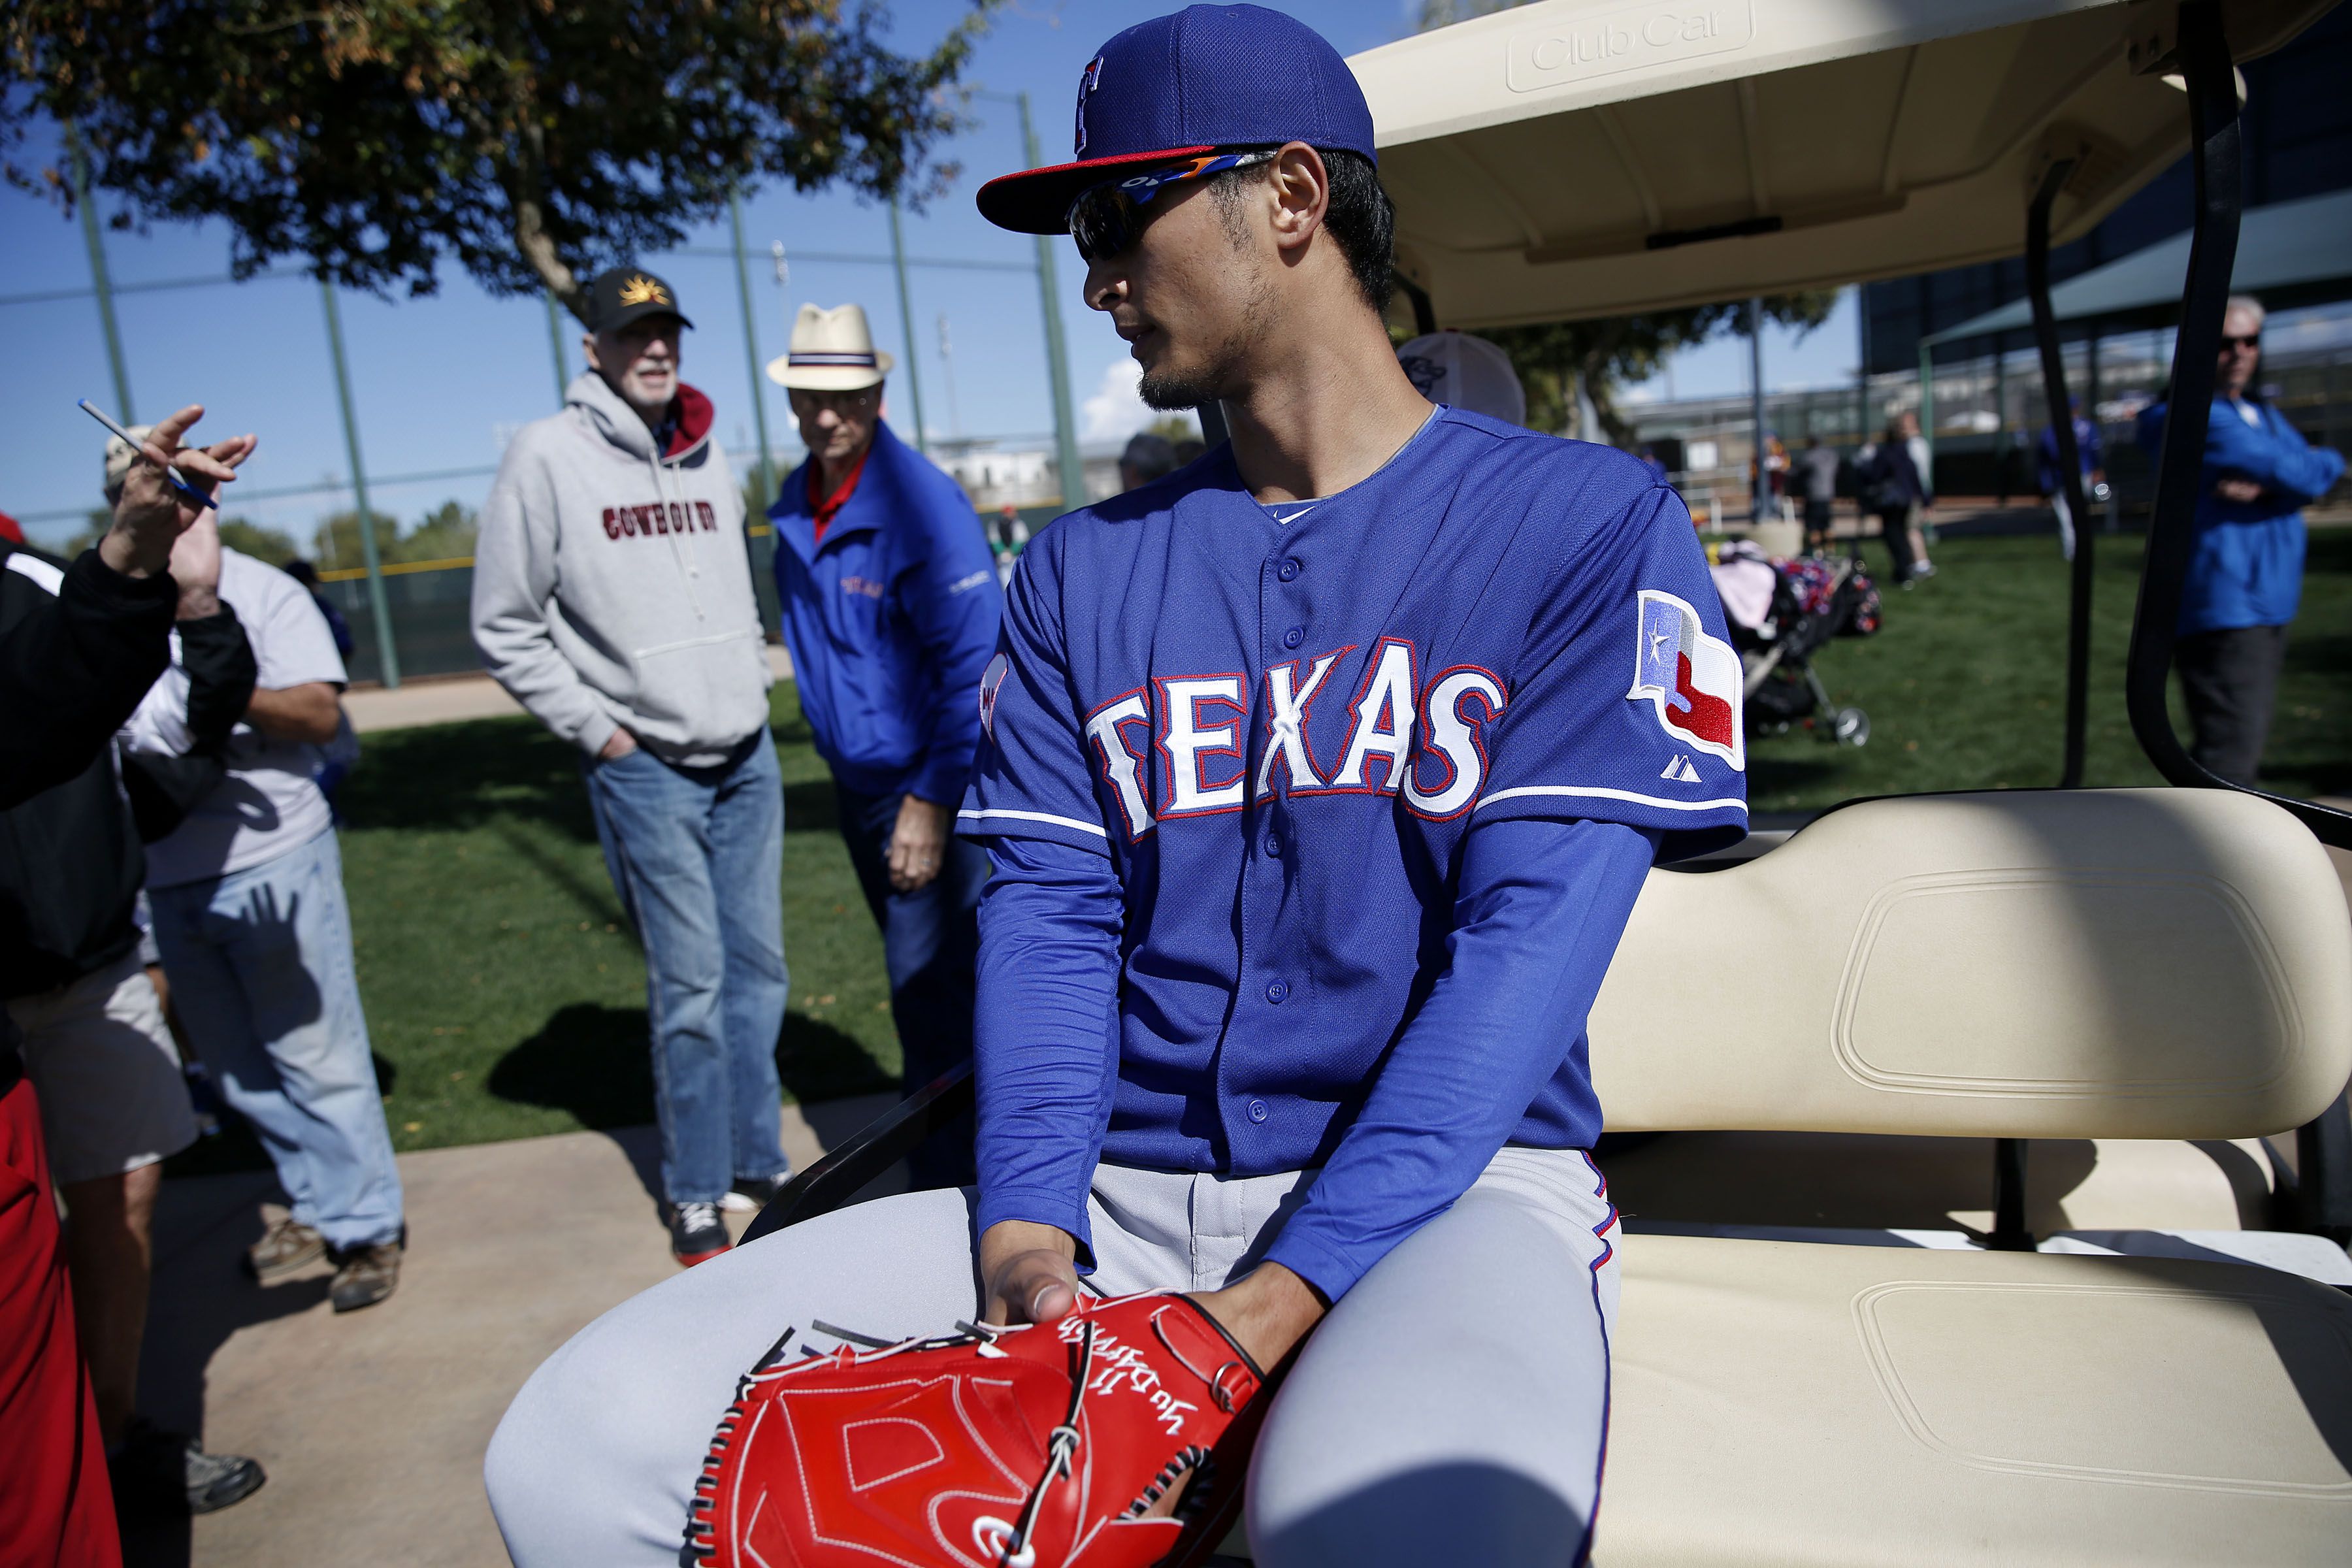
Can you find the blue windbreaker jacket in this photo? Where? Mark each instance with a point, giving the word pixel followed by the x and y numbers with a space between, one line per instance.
pixel 890 623
pixel 2247 568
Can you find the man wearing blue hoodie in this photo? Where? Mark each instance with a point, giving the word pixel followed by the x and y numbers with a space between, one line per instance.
pixel 2245 575
pixel 890 608
pixel 612 597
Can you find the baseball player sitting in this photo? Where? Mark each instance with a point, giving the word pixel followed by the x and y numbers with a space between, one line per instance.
pixel 1319 778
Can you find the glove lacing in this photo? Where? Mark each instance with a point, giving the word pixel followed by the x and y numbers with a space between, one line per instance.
pixel 1061 1445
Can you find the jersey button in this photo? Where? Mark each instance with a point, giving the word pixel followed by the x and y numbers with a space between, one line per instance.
pixel 1294 637
pixel 1274 846
pixel 1279 992
pixel 1257 1110
pixel 1286 570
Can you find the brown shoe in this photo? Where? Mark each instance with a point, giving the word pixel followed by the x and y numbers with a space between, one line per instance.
pixel 364 1275
pixel 288 1246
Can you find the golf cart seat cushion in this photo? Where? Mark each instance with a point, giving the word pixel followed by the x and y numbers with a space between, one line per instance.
pixel 2087 963
pixel 1793 1402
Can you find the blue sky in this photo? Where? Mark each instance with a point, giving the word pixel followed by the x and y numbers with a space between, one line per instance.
pixel 439 382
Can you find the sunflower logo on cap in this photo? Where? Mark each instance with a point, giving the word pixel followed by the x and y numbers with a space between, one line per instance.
pixel 641 290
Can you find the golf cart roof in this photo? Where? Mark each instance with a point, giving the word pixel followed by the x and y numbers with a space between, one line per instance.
pixel 1579 158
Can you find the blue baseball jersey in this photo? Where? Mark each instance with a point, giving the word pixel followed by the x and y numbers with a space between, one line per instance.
pixel 1279 730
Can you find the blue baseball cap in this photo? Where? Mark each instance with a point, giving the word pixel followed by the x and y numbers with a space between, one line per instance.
pixel 1209 78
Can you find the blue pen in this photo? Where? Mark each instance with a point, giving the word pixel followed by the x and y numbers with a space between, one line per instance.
pixel 179 486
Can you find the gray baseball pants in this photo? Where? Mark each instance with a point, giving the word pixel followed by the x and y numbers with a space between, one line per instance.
pixel 1452 1408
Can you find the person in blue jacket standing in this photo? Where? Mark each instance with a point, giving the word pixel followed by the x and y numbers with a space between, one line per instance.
pixel 2050 478
pixel 2245 576
pixel 891 607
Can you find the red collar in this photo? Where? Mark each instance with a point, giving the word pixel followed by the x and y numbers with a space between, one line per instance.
pixel 824 508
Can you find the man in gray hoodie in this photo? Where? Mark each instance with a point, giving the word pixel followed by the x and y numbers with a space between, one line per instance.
pixel 612 597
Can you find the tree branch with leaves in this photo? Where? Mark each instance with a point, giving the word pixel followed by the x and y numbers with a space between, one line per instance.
pixel 533 144
pixel 1557 357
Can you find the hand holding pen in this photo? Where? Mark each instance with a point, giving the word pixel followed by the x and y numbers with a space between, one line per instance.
pixel 157 505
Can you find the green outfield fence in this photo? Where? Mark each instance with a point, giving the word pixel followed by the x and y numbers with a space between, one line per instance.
pixel 427 601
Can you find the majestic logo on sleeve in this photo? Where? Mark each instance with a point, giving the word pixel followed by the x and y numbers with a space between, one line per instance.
pixel 1691 679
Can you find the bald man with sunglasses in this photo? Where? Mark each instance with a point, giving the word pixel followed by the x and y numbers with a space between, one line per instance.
pixel 1318 796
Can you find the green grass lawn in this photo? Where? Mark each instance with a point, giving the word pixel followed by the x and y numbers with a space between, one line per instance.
pixel 1965 686
pixel 506 996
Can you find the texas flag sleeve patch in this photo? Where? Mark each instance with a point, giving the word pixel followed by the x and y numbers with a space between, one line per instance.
pixel 1692 681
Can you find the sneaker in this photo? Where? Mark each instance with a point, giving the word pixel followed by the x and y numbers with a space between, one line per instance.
pixel 364 1275
pixel 155 1471
pixel 751 1194
pixel 289 1245
pixel 695 1232
pixel 1924 569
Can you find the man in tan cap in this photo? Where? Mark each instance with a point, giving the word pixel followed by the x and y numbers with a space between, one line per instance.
pixel 890 607
pixel 612 597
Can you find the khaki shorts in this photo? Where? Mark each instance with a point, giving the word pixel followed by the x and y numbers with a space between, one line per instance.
pixel 107 1074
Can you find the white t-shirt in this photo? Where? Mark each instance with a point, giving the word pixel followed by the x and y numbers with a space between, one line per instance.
pixel 268 804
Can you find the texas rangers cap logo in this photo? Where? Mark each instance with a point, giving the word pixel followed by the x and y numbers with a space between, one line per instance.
pixel 1692 681
pixel 992 681
pixel 1088 80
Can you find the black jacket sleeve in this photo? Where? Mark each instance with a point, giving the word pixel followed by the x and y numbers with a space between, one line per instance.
pixel 221 673
pixel 73 669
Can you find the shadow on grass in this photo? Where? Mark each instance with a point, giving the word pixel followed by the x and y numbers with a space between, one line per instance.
pixel 450 777
pixel 593 1062
pixel 587 1059
pixel 811 807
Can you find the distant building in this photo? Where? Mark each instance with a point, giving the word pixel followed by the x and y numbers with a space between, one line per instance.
pixel 2298 142
pixel 1021 476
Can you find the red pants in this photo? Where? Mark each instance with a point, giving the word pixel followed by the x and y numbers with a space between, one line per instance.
pixel 55 1508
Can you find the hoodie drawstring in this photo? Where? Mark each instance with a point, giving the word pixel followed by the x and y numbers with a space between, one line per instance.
pixel 688 569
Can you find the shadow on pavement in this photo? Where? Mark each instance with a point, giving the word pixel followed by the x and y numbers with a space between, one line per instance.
pixel 202 1229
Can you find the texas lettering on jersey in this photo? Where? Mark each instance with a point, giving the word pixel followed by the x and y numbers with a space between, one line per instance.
pixel 1405 731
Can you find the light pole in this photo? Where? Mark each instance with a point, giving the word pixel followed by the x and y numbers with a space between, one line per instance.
pixel 98 279
pixel 947 366
pixel 387 654
pixel 1057 362
pixel 906 320
pixel 555 346
pixel 1755 402
pixel 752 344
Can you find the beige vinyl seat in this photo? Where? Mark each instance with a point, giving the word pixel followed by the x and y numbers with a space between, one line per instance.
pixel 2128 964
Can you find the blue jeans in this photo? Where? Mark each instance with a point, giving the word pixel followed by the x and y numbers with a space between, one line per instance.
pixel 930 946
pixel 697 855
pixel 260 962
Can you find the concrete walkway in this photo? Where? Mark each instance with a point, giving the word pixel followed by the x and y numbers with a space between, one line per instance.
pixel 373 1425
pixel 451 698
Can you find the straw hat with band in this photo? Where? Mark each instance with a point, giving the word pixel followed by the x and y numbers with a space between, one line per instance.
pixel 833 350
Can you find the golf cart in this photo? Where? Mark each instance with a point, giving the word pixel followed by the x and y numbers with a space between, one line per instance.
pixel 1856 1377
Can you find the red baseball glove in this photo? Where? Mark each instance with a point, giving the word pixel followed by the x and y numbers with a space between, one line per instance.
pixel 1049 1446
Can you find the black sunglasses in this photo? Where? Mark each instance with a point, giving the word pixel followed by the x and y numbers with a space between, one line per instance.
pixel 1107 219
pixel 2250 341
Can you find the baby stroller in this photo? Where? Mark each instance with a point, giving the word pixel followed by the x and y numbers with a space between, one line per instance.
pixel 1781 613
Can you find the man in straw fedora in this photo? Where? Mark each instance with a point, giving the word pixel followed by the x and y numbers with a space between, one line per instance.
pixel 890 607
pixel 612 597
